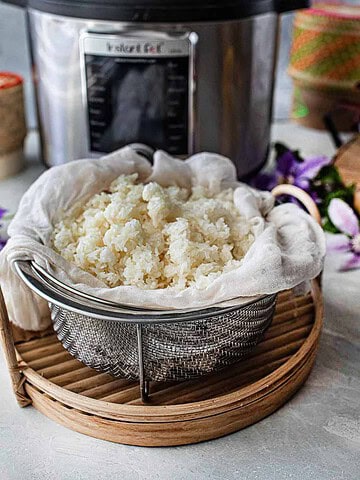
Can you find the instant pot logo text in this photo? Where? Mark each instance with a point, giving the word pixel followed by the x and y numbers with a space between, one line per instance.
pixel 149 48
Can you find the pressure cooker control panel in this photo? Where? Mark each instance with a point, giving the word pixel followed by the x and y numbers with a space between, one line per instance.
pixel 138 88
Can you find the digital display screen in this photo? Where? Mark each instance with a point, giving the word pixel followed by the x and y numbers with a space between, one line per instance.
pixel 137 99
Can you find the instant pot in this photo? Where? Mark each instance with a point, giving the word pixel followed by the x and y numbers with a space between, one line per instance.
pixel 180 75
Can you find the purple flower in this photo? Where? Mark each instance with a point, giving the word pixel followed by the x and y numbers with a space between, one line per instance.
pixel 2 243
pixel 290 170
pixel 347 242
pixel 3 212
pixel 264 181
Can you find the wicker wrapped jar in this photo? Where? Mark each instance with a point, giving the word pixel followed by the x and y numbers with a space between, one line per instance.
pixel 12 125
pixel 324 65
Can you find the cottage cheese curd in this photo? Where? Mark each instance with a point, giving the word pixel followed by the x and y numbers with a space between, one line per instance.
pixel 154 237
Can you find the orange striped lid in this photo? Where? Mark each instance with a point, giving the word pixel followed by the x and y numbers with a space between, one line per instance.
pixel 9 80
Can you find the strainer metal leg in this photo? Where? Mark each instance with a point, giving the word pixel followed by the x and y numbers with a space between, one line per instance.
pixel 144 383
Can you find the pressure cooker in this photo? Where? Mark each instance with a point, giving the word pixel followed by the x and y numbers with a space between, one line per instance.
pixel 180 75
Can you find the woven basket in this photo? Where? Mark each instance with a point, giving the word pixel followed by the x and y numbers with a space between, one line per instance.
pixel 324 66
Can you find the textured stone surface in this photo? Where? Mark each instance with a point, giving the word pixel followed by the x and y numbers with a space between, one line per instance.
pixel 316 436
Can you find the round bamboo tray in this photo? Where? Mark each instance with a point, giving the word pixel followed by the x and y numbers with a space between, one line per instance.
pixel 101 406
pixel 45 375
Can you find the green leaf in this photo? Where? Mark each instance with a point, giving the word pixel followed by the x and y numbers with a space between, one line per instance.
pixel 327 185
pixel 328 226
pixel 329 174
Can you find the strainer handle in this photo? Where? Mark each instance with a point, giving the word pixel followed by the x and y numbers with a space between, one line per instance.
pixel 60 294
pixel 300 195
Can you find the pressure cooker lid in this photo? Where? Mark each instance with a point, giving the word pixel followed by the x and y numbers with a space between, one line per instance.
pixel 174 11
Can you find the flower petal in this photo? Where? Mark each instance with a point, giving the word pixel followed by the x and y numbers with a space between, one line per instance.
pixel 302 183
pixel 351 263
pixel 264 181
pixel 337 243
pixel 311 167
pixel 3 211
pixel 343 217
pixel 286 164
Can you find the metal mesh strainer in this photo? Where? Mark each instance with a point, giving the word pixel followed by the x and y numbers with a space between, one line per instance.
pixel 154 344
pixel 149 344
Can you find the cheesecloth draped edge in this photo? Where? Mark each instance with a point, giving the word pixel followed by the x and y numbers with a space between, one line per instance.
pixel 288 250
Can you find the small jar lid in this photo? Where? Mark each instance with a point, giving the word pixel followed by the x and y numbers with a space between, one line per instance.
pixel 9 80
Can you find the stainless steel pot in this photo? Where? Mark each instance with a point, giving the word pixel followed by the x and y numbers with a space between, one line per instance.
pixel 182 76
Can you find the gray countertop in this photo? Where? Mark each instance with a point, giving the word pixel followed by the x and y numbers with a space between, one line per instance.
pixel 316 435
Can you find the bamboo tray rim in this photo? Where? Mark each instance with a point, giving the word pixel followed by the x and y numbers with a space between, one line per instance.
pixel 195 410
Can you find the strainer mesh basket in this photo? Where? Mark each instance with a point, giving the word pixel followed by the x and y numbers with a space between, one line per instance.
pixel 170 351
pixel 148 344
